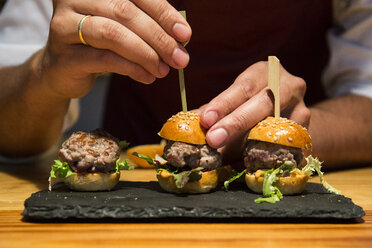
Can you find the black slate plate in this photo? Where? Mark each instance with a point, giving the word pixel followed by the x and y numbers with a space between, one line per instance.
pixel 143 200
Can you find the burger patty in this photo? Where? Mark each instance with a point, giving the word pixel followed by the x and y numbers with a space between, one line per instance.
pixel 94 151
pixel 264 155
pixel 181 154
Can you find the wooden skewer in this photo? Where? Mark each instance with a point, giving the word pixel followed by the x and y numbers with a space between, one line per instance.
pixel 274 83
pixel 181 78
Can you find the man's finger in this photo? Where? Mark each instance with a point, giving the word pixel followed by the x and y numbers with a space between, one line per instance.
pixel 249 83
pixel 139 18
pixel 168 18
pixel 241 119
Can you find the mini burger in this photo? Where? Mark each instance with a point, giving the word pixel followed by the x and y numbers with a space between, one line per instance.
pixel 188 164
pixel 273 158
pixel 89 161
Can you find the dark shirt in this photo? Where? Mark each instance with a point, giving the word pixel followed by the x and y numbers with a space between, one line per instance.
pixel 228 37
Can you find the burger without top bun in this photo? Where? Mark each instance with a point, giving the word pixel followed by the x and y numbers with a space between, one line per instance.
pixel 274 158
pixel 188 164
pixel 89 161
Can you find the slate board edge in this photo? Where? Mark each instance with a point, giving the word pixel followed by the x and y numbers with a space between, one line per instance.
pixel 127 211
pixel 35 209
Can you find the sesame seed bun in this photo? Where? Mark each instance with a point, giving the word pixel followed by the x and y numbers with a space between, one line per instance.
pixel 184 127
pixel 281 131
pixel 92 181
pixel 206 183
pixel 290 185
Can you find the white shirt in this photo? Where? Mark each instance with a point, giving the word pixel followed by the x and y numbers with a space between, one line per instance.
pixel 24 26
pixel 350 41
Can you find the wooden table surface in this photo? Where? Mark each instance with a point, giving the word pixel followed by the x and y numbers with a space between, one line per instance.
pixel 18 181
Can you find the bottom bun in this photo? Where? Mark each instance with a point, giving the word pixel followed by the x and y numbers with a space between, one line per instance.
pixel 293 184
pixel 207 182
pixel 92 181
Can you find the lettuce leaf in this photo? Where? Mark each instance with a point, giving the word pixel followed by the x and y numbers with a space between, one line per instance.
pixel 158 164
pixel 123 144
pixel 314 165
pixel 122 165
pixel 275 197
pixel 184 177
pixel 180 178
pixel 234 176
pixel 60 169
pixel 270 192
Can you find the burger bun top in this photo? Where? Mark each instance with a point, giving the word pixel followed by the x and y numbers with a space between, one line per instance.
pixel 281 131
pixel 184 127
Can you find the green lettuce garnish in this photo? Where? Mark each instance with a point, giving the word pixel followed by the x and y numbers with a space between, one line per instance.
pixel 60 169
pixel 158 162
pixel 180 178
pixel 234 176
pixel 314 165
pixel 186 176
pixel 122 165
pixel 270 192
pixel 123 144
pixel 148 159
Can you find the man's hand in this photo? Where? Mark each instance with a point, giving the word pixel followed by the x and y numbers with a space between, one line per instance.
pixel 138 38
pixel 231 114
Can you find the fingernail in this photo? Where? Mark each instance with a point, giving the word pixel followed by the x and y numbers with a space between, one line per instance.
pixel 217 138
pixel 180 57
pixel 210 118
pixel 163 69
pixel 148 79
pixel 182 32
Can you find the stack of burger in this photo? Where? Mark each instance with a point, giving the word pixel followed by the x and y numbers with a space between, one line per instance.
pixel 189 164
pixel 89 161
pixel 274 159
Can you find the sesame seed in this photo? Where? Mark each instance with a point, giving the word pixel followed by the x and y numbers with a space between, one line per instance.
pixel 275 138
pixel 290 139
pixel 269 133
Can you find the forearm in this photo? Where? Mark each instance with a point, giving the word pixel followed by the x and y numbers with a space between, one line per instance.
pixel 341 131
pixel 31 115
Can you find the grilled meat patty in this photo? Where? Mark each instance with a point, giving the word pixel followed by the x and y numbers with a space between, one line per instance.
pixel 180 154
pixel 93 151
pixel 264 155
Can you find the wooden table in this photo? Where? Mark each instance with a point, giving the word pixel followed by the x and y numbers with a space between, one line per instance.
pixel 17 182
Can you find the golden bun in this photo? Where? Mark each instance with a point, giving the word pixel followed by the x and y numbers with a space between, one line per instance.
pixel 206 183
pixel 184 127
pixel 281 131
pixel 92 181
pixel 293 184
